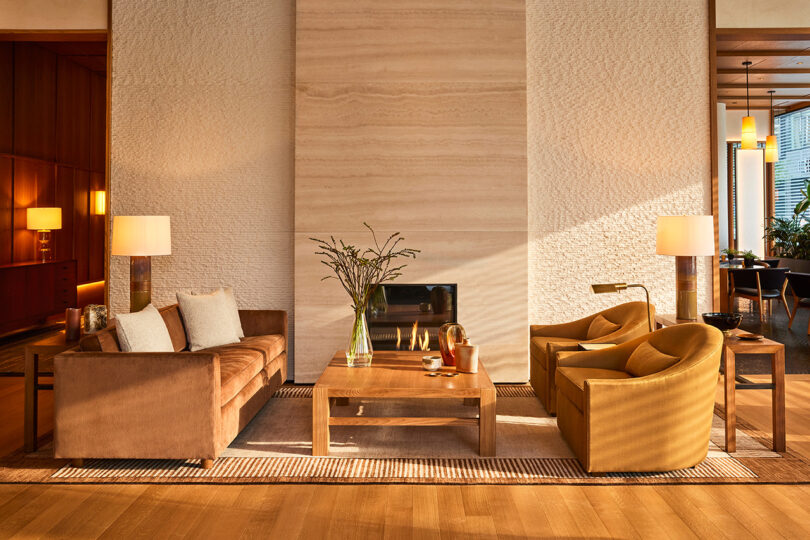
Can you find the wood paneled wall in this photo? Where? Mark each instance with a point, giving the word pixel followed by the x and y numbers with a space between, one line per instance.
pixel 52 130
pixel 411 115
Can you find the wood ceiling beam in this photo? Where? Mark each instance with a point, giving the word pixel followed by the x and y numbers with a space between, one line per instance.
pixel 727 86
pixel 768 98
pixel 774 71
pixel 766 52
pixel 762 34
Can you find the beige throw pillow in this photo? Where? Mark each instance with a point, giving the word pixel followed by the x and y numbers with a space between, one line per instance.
pixel 233 309
pixel 207 321
pixel 600 326
pixel 143 331
pixel 646 360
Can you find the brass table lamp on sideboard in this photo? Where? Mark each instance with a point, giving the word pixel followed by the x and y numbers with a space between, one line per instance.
pixel 685 237
pixel 141 237
pixel 44 220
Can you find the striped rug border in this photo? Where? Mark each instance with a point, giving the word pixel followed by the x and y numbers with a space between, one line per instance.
pixel 437 470
pixel 504 391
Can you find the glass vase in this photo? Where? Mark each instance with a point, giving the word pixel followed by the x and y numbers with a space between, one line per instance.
pixel 359 351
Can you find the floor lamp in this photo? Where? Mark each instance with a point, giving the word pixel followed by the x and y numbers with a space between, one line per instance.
pixel 685 237
pixel 141 237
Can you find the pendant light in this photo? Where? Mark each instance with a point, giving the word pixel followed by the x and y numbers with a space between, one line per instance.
pixel 771 148
pixel 749 126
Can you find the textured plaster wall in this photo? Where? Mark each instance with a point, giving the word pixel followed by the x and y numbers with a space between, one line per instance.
pixel 618 125
pixel 763 13
pixel 202 132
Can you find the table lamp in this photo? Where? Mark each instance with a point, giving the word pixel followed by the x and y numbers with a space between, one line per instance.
pixel 141 237
pixel 685 237
pixel 44 220
pixel 599 288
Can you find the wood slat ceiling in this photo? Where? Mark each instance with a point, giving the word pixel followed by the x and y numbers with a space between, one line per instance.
pixel 781 62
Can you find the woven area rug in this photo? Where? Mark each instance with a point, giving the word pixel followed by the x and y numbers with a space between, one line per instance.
pixel 276 448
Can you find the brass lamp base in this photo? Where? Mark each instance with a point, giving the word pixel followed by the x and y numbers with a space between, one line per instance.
pixel 686 288
pixel 140 283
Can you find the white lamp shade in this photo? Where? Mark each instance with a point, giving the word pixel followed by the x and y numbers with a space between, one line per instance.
pixel 685 236
pixel 141 236
pixel 43 219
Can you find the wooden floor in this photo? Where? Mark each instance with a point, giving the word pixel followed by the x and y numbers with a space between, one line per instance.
pixel 380 511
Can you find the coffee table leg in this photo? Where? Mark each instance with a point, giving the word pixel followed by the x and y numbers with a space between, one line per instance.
pixel 486 422
pixel 778 401
pixel 31 375
pixel 731 405
pixel 320 422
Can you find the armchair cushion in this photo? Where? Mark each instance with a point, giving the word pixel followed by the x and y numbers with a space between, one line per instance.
pixel 600 326
pixel 646 360
pixel 538 347
pixel 571 381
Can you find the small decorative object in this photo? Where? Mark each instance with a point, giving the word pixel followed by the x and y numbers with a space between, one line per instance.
pixel 431 363
pixel 73 324
pixel 450 374
pixel 95 318
pixel 44 220
pixel 748 258
pixel 360 272
pixel 433 374
pixel 725 322
pixel 750 337
pixel 425 307
pixel 449 335
pixel 730 253
pixel 466 357
pixel 440 300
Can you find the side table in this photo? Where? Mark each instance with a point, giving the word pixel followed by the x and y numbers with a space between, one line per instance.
pixel 732 382
pixel 34 353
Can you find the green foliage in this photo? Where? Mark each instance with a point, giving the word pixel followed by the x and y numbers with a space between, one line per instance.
pixel 748 255
pixel 730 252
pixel 791 237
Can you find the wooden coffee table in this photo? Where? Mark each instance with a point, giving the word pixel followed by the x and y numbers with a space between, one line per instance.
pixel 399 375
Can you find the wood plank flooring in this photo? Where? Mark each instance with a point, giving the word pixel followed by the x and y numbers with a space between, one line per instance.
pixel 399 511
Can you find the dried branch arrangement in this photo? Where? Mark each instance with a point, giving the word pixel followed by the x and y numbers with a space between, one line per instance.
pixel 358 270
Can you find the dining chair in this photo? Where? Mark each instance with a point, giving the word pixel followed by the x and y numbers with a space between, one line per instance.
pixel 759 285
pixel 800 285
pixel 768 263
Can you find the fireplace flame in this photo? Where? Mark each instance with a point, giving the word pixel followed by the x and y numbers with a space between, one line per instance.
pixel 399 338
pixel 413 335
pixel 424 343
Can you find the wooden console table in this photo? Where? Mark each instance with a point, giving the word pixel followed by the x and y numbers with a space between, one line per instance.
pixel 35 352
pixel 733 382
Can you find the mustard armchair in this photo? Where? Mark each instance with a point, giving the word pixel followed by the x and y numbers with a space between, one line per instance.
pixel 545 341
pixel 642 406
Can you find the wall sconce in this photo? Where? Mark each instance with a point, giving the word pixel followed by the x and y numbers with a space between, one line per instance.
pixel 44 220
pixel 98 203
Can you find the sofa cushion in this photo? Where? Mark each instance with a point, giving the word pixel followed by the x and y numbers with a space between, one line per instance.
pixel 646 360
pixel 107 340
pixel 571 381
pixel 206 321
pixel 270 346
pixel 600 327
pixel 143 331
pixel 233 308
pixel 538 348
pixel 238 364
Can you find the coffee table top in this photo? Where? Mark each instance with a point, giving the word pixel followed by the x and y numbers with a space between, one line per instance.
pixel 399 374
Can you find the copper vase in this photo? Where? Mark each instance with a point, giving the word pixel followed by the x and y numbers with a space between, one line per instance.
pixel 449 335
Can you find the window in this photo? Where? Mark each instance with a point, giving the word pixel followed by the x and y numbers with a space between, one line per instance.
pixel 793 168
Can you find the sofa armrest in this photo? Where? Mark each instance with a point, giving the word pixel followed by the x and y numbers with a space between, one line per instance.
pixel 263 322
pixel 137 405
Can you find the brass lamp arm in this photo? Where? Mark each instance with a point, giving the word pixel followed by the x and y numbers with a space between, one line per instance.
pixel 649 320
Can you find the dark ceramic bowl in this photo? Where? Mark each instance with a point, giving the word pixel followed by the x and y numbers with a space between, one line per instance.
pixel 725 322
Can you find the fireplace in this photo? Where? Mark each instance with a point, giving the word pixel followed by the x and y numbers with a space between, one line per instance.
pixel 408 316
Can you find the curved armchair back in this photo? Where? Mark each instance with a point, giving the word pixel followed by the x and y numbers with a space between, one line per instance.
pixel 630 316
pixel 800 284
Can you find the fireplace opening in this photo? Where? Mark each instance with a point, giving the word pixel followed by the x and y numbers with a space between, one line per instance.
pixel 408 316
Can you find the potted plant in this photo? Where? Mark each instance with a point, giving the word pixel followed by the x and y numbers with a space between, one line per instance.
pixel 790 237
pixel 748 258
pixel 730 253
pixel 360 272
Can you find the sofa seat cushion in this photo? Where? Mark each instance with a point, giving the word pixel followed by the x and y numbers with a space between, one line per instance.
pixel 571 381
pixel 238 364
pixel 538 348
pixel 271 346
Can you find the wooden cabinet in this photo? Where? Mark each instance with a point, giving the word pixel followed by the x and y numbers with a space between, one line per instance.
pixel 30 292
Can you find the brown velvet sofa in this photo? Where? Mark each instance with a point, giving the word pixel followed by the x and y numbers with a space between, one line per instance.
pixel 545 341
pixel 662 421
pixel 179 405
